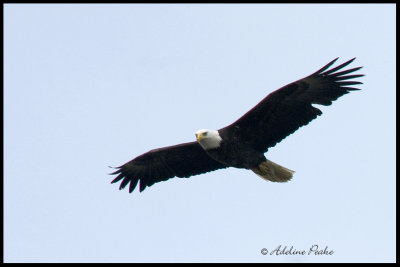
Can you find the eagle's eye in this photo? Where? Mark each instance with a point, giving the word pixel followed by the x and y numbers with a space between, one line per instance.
pixel 205 133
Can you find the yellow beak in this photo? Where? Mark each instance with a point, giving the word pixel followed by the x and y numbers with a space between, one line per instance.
pixel 198 137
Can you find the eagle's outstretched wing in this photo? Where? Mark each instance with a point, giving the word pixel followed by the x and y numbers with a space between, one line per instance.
pixel 285 110
pixel 161 164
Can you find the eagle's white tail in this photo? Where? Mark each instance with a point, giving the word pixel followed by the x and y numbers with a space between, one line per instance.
pixel 271 171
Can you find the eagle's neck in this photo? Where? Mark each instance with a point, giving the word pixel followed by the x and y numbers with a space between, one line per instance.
pixel 208 139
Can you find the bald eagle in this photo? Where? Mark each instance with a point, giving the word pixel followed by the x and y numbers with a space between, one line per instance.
pixel 243 143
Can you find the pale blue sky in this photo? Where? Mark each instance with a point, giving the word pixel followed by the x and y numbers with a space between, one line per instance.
pixel 88 86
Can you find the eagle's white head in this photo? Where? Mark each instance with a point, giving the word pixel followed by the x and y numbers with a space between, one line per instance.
pixel 208 139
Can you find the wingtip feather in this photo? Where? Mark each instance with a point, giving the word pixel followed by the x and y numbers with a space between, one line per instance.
pixel 326 66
